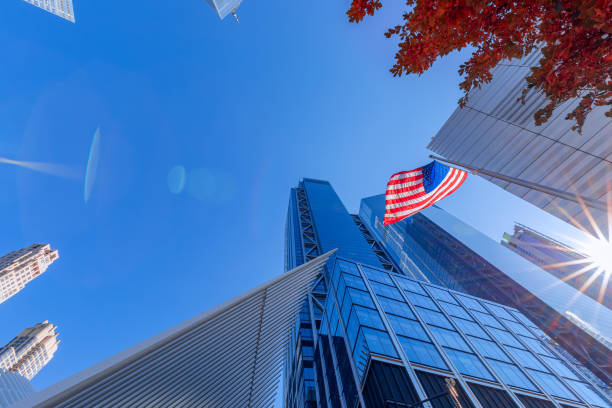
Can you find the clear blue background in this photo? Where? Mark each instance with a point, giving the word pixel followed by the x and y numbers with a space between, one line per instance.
pixel 248 109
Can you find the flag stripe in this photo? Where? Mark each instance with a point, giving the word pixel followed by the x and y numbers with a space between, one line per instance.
pixel 407 194
pixel 440 195
pixel 450 178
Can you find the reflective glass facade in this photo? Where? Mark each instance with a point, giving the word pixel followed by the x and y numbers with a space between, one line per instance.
pixel 374 328
pixel 438 248
pixel 368 337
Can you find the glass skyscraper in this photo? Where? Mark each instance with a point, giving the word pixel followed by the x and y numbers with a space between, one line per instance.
pixel 381 331
pixel 436 247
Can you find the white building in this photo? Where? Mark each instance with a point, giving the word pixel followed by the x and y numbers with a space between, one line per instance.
pixel 30 351
pixel 20 267
pixel 61 8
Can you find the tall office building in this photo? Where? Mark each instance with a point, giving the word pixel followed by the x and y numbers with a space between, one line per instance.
pixel 13 388
pixel 369 336
pixel 436 247
pixel 494 132
pixel 30 351
pixel 20 267
pixel 561 261
pixel 61 8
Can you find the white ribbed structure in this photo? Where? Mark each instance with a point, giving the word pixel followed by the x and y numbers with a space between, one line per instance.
pixel 61 8
pixel 13 388
pixel 494 132
pixel 230 356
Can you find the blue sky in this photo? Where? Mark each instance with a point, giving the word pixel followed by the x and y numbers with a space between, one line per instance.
pixel 247 109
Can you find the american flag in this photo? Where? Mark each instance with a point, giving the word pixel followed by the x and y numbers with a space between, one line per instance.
pixel 408 192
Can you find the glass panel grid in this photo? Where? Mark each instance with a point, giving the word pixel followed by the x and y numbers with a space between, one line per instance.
pixel 552 385
pixel 409 285
pixel 468 364
pixel 442 295
pixel 423 301
pixel 422 352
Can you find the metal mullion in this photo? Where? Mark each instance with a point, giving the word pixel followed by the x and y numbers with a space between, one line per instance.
pixel 474 350
pixel 400 350
pixel 436 344
pixel 315 341
pixel 335 365
pixel 537 356
pixel 323 374
pixel 331 289
pixel 503 347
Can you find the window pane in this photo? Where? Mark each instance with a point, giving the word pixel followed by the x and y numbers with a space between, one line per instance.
pixel 588 393
pixel 422 353
pixel 472 303
pixel 377 276
pixel 559 367
pixel 469 364
pixel 450 338
pixel 505 337
pixel 500 312
pixel 379 342
pixel 519 329
pixel 369 317
pixel 471 328
pixel 511 375
pixel 488 320
pixel 526 359
pixel 489 349
pixel 359 297
pixel 537 346
pixel 424 301
pixel 441 294
pixel 523 319
pixel 456 311
pixel 354 281
pixel 411 286
pixel 552 385
pixel 349 267
pixel 395 307
pixel 386 290
pixel 409 328
pixel 434 318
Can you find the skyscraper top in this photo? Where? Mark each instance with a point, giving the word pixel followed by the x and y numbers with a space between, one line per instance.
pixel 30 351
pixel 20 267
pixel 61 8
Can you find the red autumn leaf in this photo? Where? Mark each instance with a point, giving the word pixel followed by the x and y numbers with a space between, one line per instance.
pixel 574 37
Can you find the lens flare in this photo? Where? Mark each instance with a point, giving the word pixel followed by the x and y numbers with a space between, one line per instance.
pixel 58 170
pixel 92 165
pixel 594 253
pixel 176 179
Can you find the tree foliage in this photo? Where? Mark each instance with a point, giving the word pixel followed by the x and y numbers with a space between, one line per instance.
pixel 574 37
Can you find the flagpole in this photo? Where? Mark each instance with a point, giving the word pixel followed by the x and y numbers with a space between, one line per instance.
pixel 538 187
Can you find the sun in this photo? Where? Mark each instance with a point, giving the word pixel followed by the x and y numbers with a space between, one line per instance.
pixel 600 254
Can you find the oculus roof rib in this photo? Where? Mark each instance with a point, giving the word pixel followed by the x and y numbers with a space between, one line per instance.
pixel 229 356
